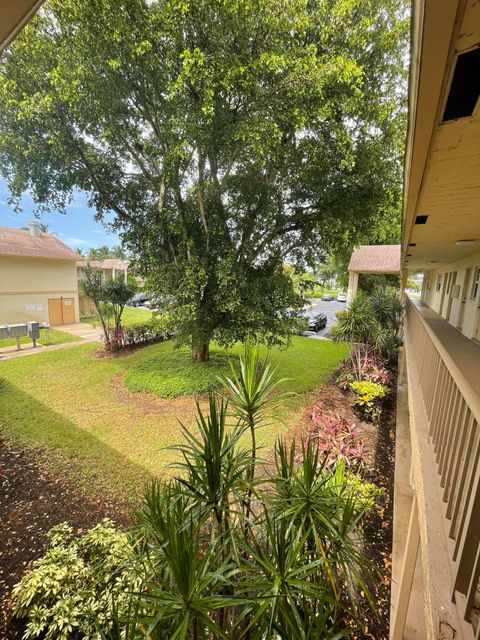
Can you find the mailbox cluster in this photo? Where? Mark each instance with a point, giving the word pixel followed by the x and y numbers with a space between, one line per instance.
pixel 17 331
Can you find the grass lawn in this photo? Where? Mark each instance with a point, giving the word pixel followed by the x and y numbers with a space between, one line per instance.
pixel 47 337
pixel 77 408
pixel 131 317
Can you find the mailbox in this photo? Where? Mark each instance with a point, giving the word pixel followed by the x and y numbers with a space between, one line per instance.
pixel 33 330
pixel 3 331
pixel 17 330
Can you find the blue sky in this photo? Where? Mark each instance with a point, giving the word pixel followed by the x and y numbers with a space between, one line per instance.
pixel 77 228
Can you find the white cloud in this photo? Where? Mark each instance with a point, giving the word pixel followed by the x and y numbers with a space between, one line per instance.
pixel 78 242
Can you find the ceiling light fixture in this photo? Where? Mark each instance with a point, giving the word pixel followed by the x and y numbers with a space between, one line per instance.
pixel 462 243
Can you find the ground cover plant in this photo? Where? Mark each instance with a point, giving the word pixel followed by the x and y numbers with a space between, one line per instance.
pixel 76 407
pixel 47 337
pixel 224 549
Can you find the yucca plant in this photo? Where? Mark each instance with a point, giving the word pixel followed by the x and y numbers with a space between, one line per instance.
pixel 317 498
pixel 214 465
pixel 252 396
pixel 183 593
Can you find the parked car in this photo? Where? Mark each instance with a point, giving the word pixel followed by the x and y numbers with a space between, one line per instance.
pixel 327 297
pixel 316 321
pixel 342 297
pixel 139 299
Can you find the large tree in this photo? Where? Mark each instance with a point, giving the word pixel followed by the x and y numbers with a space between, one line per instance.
pixel 225 136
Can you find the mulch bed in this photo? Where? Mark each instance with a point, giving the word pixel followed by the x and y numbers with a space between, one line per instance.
pixel 380 442
pixel 32 500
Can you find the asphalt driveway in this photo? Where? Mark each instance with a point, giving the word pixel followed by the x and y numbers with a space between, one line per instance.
pixel 329 309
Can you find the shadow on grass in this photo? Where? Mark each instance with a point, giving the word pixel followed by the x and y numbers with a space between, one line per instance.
pixel 66 448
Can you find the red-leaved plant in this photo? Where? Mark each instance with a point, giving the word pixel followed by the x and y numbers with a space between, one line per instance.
pixel 114 341
pixel 364 364
pixel 338 437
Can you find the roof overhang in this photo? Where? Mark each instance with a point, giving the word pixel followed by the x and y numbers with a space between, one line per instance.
pixel 14 15
pixel 441 161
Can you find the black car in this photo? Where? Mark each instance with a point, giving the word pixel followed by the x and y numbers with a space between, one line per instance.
pixel 327 297
pixel 139 299
pixel 316 321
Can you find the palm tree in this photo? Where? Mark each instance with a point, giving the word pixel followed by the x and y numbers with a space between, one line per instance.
pixel 79 251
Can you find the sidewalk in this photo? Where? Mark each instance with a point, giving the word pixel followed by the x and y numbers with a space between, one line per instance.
pixel 85 332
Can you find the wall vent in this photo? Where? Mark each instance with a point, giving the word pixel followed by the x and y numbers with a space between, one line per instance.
pixel 421 220
pixel 465 87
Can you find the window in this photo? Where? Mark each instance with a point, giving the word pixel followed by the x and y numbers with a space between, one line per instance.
pixel 475 284
pixel 439 283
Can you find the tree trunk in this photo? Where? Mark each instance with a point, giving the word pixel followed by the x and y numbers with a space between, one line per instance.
pixel 200 348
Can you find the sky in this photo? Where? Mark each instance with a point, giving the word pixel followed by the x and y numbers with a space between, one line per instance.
pixel 76 229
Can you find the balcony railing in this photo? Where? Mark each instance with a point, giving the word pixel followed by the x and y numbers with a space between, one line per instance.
pixel 448 370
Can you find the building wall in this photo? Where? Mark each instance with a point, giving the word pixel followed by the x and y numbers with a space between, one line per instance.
pixel 26 285
pixel 448 300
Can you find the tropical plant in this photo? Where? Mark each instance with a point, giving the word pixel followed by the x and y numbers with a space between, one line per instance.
pixel 194 573
pixel 117 293
pixel 251 391
pixel 109 299
pixel 71 592
pixel 369 396
pixel 364 363
pixel 92 287
pixel 337 438
pixel 374 321
pixel 3 385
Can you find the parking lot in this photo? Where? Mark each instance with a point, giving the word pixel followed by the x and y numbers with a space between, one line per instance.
pixel 329 309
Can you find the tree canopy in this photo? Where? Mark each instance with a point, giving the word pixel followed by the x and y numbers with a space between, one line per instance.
pixel 225 136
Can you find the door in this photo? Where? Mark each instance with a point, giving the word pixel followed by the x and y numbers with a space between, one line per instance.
pixel 55 316
pixel 463 302
pixel 451 289
pixel 68 311
pixel 61 311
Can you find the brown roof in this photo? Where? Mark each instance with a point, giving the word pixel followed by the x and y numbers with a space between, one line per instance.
pixel 380 258
pixel 110 263
pixel 17 242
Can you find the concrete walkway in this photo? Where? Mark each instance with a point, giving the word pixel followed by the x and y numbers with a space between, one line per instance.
pixel 85 332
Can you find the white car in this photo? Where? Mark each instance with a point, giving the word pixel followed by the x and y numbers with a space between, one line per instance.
pixel 342 297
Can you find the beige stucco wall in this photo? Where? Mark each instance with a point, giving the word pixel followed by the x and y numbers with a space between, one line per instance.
pixel 25 282
pixel 433 298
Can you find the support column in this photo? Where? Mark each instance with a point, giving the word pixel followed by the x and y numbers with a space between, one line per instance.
pixel 406 578
pixel 403 284
pixel 352 285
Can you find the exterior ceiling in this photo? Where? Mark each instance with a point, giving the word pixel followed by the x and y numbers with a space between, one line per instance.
pixel 14 15
pixel 442 174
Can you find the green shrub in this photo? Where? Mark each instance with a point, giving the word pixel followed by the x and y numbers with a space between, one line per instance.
pixel 173 373
pixel 77 588
pixel 369 397
pixel 3 385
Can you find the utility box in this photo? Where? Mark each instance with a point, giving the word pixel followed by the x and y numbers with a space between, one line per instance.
pixel 33 330
pixel 17 330
pixel 3 331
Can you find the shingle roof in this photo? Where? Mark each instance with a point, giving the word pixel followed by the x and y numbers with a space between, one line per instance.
pixel 113 263
pixel 17 242
pixel 109 263
pixel 381 258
